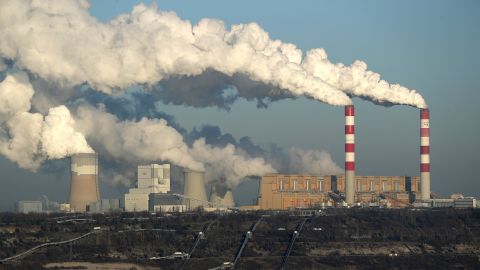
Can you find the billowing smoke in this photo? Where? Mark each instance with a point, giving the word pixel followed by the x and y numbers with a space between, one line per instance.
pixel 292 160
pixel 312 162
pixel 145 140
pixel 356 80
pixel 149 140
pixel 73 60
pixel 227 162
pixel 64 43
pixel 212 88
pixel 30 138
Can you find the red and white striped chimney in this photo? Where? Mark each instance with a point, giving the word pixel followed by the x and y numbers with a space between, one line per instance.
pixel 425 153
pixel 349 154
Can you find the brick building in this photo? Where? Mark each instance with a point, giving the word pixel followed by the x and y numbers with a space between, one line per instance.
pixel 281 191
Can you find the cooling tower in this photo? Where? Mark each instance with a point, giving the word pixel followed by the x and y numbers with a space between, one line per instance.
pixel 228 199
pixel 84 186
pixel 425 153
pixel 194 189
pixel 221 196
pixel 349 154
pixel 215 199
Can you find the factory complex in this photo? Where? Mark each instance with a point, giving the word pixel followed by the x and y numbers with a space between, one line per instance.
pixel 153 193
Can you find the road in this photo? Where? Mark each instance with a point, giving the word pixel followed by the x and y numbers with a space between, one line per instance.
pixel 32 250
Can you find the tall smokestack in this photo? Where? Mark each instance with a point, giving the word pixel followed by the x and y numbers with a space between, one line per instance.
pixel 349 154
pixel 84 186
pixel 425 153
pixel 194 189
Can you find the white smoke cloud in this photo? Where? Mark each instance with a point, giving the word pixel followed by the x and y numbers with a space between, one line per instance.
pixel 312 162
pixel 150 140
pixel 59 138
pixel 61 45
pixel 20 140
pixel 228 162
pixel 146 140
pixel 64 43
pixel 16 93
pixel 30 138
pixel 358 81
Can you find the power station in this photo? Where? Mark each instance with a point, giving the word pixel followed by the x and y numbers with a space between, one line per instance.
pixel 276 191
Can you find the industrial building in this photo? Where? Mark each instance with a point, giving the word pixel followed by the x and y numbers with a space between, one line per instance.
pixel 26 207
pixel 280 191
pixel 455 201
pixel 64 207
pixel 104 206
pixel 160 202
pixel 153 178
pixel 467 202
pixel 84 185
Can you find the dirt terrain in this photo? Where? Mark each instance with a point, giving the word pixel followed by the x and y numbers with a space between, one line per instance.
pixel 332 239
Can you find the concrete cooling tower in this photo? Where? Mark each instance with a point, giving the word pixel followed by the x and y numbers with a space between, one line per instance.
pixel 215 199
pixel 84 186
pixel 221 196
pixel 228 199
pixel 194 189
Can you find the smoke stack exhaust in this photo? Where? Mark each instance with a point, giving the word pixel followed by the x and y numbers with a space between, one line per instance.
pixel 84 186
pixel 349 154
pixel 425 153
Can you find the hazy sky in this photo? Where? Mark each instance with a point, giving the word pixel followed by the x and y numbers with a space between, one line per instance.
pixel 431 46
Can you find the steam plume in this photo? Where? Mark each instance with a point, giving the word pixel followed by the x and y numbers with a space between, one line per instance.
pixel 153 139
pixel 30 138
pixel 145 47
pixel 358 81
pixel 63 49
pixel 64 43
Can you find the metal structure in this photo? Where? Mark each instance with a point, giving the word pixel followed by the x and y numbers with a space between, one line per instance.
pixel 246 237
pixel 349 154
pixel 194 188
pixel 425 153
pixel 84 186
pixel 295 234
pixel 200 236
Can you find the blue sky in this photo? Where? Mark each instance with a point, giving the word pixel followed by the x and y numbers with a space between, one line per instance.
pixel 431 46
